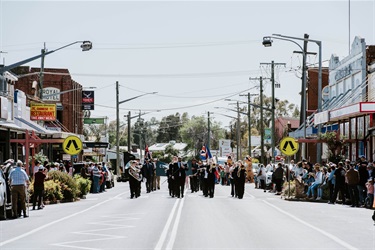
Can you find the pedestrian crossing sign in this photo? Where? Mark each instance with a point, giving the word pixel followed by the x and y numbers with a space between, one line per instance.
pixel 289 146
pixel 72 145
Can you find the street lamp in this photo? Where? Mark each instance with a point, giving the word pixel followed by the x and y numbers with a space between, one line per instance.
pixel 118 123
pixel 86 45
pixel 267 42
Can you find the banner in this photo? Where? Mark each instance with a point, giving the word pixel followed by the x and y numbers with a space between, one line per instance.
pixel 87 100
pixel 93 120
pixel 42 112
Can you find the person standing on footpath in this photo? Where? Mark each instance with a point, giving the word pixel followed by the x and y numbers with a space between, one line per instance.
pixel 18 181
pixel 39 179
pixel 278 176
pixel 339 183
pixel 352 180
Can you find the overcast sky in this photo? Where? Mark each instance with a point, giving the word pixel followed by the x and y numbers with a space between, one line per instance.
pixel 194 54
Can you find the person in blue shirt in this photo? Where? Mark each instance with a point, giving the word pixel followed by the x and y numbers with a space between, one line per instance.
pixel 18 180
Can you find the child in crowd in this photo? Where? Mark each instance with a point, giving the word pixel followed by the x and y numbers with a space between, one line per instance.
pixel 370 192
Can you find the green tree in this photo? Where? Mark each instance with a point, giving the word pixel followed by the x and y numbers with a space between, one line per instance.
pixel 169 129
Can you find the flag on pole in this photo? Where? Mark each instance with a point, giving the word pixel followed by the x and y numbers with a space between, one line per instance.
pixel 205 153
pixel 148 154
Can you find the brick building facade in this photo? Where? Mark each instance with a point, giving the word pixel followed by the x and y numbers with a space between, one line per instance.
pixel 69 115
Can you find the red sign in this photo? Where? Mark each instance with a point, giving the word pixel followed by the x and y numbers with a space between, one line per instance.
pixel 42 112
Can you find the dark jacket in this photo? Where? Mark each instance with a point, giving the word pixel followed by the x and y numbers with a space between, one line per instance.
pixel 352 177
pixel 39 179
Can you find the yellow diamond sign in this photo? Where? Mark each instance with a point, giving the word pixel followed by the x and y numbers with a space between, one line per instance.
pixel 289 146
pixel 72 145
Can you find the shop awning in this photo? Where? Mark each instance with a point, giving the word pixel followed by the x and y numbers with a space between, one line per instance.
pixel 30 125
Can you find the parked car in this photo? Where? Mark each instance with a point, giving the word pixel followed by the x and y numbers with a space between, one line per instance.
pixel 3 196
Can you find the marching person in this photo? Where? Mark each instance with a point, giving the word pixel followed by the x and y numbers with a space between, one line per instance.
pixel 134 179
pixel 39 178
pixel 18 181
pixel 179 175
pixel 240 180
pixel 156 178
pixel 148 173
pixel 194 177
pixel 211 169
pixel 171 180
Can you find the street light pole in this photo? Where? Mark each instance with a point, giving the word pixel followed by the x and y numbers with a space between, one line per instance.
pixel 268 42
pixel 118 123
pixel 86 45
pixel 117 131
pixel 208 128
pixel 238 133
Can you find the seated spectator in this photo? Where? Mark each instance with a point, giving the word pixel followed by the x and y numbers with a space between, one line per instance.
pixel 317 175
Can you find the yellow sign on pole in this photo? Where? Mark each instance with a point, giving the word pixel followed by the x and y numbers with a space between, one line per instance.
pixel 72 145
pixel 289 146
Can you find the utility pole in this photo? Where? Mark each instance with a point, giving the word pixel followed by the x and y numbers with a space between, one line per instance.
pixel 117 131
pixel 303 95
pixel 261 117
pixel 273 106
pixel 208 128
pixel 249 95
pixel 41 74
pixel 261 121
pixel 238 132
pixel 129 136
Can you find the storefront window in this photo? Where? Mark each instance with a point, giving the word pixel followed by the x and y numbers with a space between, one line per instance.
pixel 354 152
pixel 367 123
pixel 360 126
pixel 346 129
pixel 352 129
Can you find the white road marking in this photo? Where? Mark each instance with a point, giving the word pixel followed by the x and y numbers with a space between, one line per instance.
pixel 163 235
pixel 175 226
pixel 56 221
pixel 332 237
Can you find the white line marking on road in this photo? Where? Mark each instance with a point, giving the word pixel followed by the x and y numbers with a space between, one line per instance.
pixel 163 235
pixel 56 221
pixel 175 226
pixel 332 237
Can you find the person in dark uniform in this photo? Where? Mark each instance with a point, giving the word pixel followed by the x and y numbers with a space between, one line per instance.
pixel 135 178
pixel 233 181
pixel 204 177
pixel 148 173
pixel 240 180
pixel 171 179
pixel 211 169
pixel 194 177
pixel 179 176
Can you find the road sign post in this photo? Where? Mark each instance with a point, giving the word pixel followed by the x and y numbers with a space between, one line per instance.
pixel 289 146
pixel 72 145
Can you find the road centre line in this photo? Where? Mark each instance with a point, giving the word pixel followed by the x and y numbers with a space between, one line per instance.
pixel 163 235
pixel 332 237
pixel 57 221
pixel 175 226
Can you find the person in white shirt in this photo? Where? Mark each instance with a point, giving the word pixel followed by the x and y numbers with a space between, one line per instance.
pixel 318 180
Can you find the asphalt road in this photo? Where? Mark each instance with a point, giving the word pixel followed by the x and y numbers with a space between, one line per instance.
pixel 112 220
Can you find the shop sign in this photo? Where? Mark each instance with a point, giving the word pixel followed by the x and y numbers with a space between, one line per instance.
pixel 321 117
pixel 344 111
pixel 368 107
pixel 88 100
pixel 51 94
pixel 42 112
